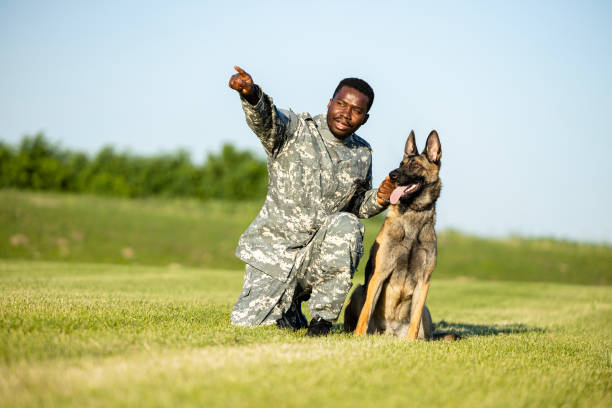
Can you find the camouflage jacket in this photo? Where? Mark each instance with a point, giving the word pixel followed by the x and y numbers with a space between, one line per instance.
pixel 312 174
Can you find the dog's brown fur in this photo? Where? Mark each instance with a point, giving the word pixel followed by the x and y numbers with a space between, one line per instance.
pixel 404 254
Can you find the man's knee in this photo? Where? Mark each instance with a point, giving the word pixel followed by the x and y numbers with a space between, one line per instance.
pixel 345 224
pixel 342 246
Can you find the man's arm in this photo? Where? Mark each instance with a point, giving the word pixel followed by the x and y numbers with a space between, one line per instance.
pixel 371 201
pixel 269 124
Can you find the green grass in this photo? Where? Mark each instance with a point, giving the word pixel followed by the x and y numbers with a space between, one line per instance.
pixel 74 228
pixel 74 335
pixel 81 228
pixel 116 302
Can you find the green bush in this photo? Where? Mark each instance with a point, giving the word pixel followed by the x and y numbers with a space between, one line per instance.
pixel 232 175
pixel 37 164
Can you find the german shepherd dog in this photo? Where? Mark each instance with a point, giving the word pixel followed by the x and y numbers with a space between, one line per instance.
pixel 403 257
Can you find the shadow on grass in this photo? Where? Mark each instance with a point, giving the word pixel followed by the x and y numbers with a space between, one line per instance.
pixel 469 329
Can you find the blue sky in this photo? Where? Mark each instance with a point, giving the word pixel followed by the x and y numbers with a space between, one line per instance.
pixel 520 92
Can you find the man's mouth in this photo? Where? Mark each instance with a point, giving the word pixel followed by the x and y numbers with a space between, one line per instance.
pixel 342 125
pixel 402 191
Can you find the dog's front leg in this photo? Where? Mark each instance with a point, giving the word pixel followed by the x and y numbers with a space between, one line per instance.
pixel 374 289
pixel 417 310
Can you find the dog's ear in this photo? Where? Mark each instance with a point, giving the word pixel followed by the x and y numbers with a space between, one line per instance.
pixel 410 149
pixel 433 149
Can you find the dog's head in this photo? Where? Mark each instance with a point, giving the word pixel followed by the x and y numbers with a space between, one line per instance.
pixel 416 179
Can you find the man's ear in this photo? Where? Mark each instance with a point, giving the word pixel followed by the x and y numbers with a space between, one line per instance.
pixel 433 149
pixel 329 103
pixel 365 118
pixel 410 149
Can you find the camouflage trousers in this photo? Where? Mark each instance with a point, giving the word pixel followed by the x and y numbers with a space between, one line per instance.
pixel 324 269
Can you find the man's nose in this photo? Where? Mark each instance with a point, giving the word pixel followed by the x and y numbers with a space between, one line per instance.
pixel 346 112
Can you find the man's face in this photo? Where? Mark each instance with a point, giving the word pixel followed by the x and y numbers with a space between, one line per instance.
pixel 346 112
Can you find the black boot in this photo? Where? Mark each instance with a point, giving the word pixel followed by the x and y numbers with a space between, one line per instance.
pixel 301 296
pixel 293 318
pixel 318 327
pixel 301 318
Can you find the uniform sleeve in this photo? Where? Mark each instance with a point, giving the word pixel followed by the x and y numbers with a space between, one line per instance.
pixel 271 125
pixel 364 203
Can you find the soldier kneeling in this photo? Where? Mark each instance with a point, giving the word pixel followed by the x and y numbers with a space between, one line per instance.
pixel 306 241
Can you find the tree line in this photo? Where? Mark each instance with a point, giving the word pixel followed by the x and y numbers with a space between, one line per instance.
pixel 35 163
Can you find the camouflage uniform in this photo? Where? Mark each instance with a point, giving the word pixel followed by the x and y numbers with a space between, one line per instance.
pixel 307 231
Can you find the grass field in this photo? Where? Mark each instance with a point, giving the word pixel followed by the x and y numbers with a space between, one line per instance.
pixel 74 228
pixel 110 302
pixel 116 335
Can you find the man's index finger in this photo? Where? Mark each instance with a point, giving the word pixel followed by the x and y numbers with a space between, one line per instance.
pixel 240 70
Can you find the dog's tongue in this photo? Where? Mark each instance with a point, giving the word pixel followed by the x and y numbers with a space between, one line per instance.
pixel 400 191
pixel 397 194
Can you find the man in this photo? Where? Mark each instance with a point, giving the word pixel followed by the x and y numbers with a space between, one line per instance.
pixel 306 242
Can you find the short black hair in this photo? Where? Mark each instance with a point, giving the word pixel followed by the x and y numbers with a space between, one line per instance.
pixel 360 85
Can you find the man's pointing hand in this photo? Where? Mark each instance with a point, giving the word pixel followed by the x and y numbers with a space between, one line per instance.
pixel 243 84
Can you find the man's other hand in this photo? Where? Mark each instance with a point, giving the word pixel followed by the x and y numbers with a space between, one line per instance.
pixel 384 191
pixel 243 84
